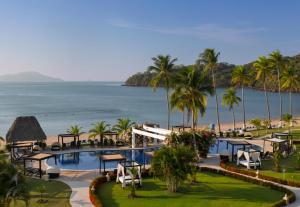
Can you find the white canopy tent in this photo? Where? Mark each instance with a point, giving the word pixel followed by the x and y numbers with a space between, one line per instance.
pixel 155 133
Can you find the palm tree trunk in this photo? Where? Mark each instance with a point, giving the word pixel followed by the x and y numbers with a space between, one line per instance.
pixel 233 119
pixel 168 105
pixel 217 103
pixel 279 93
pixel 183 118
pixel 267 102
pixel 194 136
pixel 291 106
pixel 244 112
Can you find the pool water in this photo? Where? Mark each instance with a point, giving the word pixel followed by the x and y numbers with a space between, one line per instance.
pixel 90 160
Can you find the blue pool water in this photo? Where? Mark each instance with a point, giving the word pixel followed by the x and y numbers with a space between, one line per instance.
pixel 90 160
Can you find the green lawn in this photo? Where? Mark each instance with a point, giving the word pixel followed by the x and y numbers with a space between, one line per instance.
pixel 294 130
pixel 289 165
pixel 213 190
pixel 57 194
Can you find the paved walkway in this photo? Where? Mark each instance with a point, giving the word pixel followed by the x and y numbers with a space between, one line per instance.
pixel 79 181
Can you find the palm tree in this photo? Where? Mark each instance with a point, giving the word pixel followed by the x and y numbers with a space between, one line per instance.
pixel 192 88
pixel 290 80
pixel 277 62
pixel 210 58
pixel 288 119
pixel 241 77
pixel 123 127
pixel 230 99
pixel 13 185
pixel 163 68
pixel 263 71
pixel 100 128
pixel 257 123
pixel 74 129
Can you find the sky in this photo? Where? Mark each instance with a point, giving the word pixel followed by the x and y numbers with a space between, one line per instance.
pixel 109 40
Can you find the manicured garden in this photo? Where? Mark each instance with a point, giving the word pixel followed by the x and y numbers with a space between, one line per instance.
pixel 211 190
pixel 54 193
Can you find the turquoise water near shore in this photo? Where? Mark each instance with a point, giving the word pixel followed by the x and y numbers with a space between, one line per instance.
pixel 59 105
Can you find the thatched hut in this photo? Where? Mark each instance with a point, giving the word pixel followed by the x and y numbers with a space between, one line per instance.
pixel 25 128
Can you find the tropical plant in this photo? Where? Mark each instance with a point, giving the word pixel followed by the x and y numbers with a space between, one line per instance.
pixel 241 77
pixel 163 68
pixel 41 189
pixel 265 124
pixel 230 99
pixel 192 88
pixel 100 128
pixel 277 157
pixel 178 102
pixel 210 59
pixel 263 71
pixel 123 128
pixel 204 140
pixel 290 80
pixel 133 171
pixel 298 159
pixel 277 62
pixel 173 165
pixel 13 185
pixel 74 129
pixel 257 123
pixel 288 119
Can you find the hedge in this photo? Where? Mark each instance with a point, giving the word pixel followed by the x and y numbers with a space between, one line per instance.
pixel 232 172
pixel 265 177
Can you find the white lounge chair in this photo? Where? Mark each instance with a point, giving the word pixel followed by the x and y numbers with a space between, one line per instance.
pixel 252 159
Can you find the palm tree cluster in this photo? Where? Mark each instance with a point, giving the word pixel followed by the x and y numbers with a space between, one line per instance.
pixel 122 127
pixel 187 88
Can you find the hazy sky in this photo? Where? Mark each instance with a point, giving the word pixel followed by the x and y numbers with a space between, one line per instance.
pixel 110 40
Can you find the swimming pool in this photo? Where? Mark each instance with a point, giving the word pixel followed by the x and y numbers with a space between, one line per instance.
pixel 90 160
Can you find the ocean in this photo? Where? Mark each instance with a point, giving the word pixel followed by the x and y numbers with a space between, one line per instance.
pixel 59 105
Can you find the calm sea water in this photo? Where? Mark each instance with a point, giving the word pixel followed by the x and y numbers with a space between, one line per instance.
pixel 59 105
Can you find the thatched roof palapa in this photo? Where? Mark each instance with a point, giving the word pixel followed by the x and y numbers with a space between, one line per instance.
pixel 25 128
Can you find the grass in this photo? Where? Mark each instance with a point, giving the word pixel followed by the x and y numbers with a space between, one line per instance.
pixel 295 131
pixel 56 194
pixel 213 190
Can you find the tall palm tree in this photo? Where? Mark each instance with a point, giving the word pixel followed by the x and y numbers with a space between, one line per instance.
pixel 123 127
pixel 192 88
pixel 277 62
pixel 230 99
pixel 241 77
pixel 210 59
pixel 100 128
pixel 290 80
pixel 263 71
pixel 163 67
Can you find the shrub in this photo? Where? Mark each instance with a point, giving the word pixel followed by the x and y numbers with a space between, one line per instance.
pixel 277 160
pixel 173 165
pixel 204 140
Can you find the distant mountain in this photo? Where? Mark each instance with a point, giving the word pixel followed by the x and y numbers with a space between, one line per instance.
pixel 29 76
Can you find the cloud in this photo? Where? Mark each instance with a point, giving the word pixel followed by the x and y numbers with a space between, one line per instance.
pixel 204 31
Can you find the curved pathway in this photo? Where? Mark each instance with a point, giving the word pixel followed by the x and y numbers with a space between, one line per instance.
pixel 79 181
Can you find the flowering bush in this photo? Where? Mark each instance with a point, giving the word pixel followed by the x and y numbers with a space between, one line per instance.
pixel 204 140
